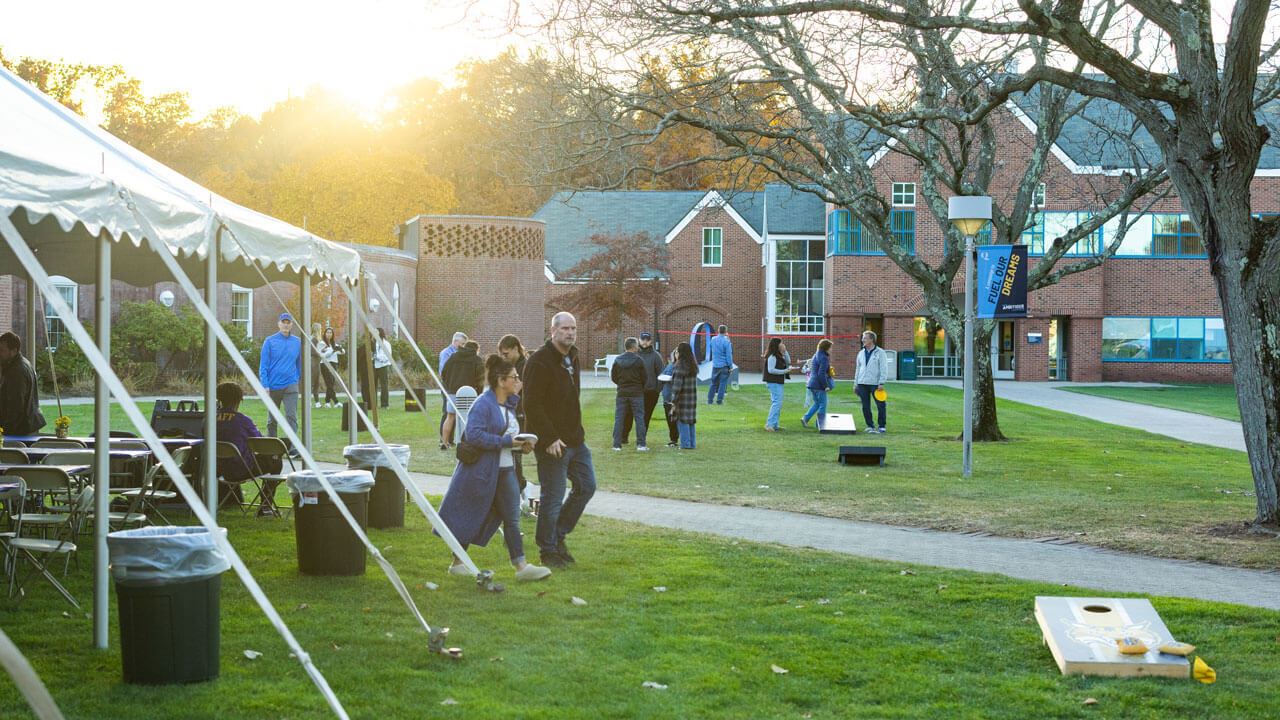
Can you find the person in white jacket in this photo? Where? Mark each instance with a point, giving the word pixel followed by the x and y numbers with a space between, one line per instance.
pixel 329 351
pixel 872 369
pixel 382 368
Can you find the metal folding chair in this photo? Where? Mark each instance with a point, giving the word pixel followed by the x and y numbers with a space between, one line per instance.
pixel 13 444
pixel 39 481
pixel 52 442
pixel 268 483
pixel 228 451
pixel 147 498
pixel 14 456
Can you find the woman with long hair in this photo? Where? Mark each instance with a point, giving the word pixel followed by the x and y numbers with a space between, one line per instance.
pixel 512 351
pixel 485 494
pixel 329 352
pixel 776 366
pixel 684 392
pixel 820 382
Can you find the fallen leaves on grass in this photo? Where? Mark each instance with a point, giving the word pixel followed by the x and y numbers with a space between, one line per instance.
pixel 654 685
pixel 303 606
pixel 659 588
pixel 448 701
pixel 430 585
pixel 779 670
pixel 577 600
pixel 907 572
pixel 941 587
pixel 252 654
pixel 334 645
pixel 1090 701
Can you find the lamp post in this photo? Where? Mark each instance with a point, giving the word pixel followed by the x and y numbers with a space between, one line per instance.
pixel 969 215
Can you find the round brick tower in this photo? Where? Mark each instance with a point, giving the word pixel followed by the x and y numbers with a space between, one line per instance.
pixel 483 275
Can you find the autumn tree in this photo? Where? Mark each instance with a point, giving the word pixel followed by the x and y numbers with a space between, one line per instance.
pixel 811 100
pixel 623 276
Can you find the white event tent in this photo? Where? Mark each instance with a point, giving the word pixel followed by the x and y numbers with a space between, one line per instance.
pixel 76 201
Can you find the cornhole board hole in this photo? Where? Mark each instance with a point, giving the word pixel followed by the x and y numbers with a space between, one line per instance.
pixel 837 424
pixel 1081 633
pixel 861 455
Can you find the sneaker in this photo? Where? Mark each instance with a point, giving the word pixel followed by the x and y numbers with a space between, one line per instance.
pixel 319 404
pixel 642 448
pixel 671 444
pixel 553 560
pixel 770 428
pixel 719 402
pixel 530 573
pixel 617 448
pixel 804 422
pixel 563 551
pixel 459 569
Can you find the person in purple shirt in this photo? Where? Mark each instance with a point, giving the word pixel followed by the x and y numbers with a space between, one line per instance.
pixel 236 428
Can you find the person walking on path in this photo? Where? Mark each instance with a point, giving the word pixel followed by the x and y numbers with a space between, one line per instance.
pixel 485 494
pixel 329 352
pixel 463 368
pixel 869 376
pixel 629 374
pixel 721 366
pixel 653 365
pixel 382 368
pixel 777 364
pixel 511 350
pixel 684 394
pixel 552 384
pixel 19 395
pixel 819 383
pixel 458 339
pixel 279 369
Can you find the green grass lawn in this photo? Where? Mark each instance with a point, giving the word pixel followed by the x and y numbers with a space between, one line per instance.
pixel 857 639
pixel 1215 400
pixel 1059 475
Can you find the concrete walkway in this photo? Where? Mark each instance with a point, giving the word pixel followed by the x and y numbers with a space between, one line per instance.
pixel 1185 426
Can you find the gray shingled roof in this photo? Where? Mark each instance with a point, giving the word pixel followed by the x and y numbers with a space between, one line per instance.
pixel 573 217
pixel 794 212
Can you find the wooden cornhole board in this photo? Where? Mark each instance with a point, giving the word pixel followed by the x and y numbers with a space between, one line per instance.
pixel 1082 632
pixel 837 424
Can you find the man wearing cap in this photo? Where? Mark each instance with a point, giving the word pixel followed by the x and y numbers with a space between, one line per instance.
pixel 653 366
pixel 279 369
pixel 872 369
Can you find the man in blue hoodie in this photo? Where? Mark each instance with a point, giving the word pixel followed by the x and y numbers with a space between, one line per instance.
pixel 721 366
pixel 279 369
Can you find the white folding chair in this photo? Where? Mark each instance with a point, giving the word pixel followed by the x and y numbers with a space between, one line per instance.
pixel 463 400
pixel 38 481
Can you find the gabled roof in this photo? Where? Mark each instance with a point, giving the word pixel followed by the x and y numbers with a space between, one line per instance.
pixel 573 217
pixel 794 212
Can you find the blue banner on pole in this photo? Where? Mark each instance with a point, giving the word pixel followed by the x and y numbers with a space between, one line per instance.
pixel 1002 281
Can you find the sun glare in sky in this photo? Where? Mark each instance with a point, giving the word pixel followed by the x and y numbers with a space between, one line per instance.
pixel 255 53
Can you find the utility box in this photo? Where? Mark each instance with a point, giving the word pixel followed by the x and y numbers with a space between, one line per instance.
pixel 907 369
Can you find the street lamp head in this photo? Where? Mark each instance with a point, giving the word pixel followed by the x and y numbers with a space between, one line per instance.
pixel 969 213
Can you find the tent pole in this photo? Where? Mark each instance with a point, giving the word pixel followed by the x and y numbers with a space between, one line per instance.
pixel 353 338
pixel 306 394
pixel 102 446
pixel 32 341
pixel 209 458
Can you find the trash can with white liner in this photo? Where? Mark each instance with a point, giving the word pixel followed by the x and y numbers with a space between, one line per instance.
pixel 326 543
pixel 386 499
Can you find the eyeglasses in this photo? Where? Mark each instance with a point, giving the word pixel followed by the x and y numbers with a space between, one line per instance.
pixel 512 376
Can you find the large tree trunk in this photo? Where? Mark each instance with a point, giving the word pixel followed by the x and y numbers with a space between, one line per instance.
pixel 986 427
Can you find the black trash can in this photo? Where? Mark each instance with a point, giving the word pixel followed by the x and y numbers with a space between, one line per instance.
pixel 326 543
pixel 907 365
pixel 410 404
pixel 386 499
pixel 168 581
pixel 346 415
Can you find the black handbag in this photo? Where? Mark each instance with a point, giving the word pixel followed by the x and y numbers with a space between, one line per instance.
pixel 468 452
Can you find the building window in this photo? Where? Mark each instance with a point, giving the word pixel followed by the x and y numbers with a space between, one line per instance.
pixel 55 329
pixel 904 194
pixel 712 245
pixel 845 236
pixel 1174 235
pixel 242 309
pixel 797 299
pixel 1167 339
pixel 1049 226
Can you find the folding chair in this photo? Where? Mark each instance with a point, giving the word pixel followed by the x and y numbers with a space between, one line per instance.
pixel 13 444
pixel 269 447
pixel 228 451
pixel 52 442
pixel 14 456
pixel 463 400
pixel 38 480
pixel 146 499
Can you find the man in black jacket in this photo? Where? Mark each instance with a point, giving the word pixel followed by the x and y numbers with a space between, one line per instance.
pixel 653 365
pixel 19 400
pixel 464 367
pixel 552 412
pixel 628 374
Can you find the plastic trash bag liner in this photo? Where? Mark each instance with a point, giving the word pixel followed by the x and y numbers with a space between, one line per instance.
pixel 164 555
pixel 371 456
pixel 343 481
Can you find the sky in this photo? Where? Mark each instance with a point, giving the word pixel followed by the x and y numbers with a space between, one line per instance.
pixel 255 53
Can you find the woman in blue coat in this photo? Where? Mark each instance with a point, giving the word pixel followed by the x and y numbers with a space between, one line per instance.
pixel 486 494
pixel 820 382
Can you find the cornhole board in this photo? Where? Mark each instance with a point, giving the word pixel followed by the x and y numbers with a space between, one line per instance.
pixel 861 455
pixel 1081 633
pixel 837 424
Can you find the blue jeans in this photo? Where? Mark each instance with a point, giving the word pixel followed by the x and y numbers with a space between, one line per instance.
pixel 506 500
pixel 633 406
pixel 775 404
pixel 819 406
pixel 688 438
pixel 719 384
pixel 867 392
pixel 556 515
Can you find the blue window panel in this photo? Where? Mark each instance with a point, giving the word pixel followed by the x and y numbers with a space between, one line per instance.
pixel 1174 235
pixel 1164 339
pixel 844 233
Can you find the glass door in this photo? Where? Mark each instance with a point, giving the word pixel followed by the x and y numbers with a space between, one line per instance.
pixel 1002 350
